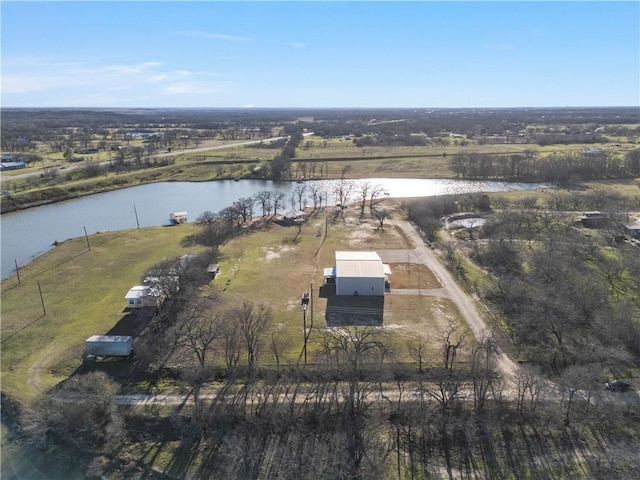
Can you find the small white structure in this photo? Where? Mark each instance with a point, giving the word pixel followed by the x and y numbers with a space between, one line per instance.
pixel 142 296
pixel 178 217
pixel 360 273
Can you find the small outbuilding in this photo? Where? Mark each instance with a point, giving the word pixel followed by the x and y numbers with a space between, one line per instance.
pixel 213 269
pixel 360 273
pixel 633 229
pixel 141 296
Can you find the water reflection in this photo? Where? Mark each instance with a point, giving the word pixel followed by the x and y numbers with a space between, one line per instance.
pixel 31 232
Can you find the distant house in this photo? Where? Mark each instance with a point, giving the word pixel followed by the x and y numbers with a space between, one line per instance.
pixel 141 296
pixel 358 273
pixel 594 219
pixel 633 229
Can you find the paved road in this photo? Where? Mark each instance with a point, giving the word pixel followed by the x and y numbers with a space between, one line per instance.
pixel 175 153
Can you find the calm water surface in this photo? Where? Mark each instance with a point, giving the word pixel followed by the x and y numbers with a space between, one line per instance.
pixel 29 233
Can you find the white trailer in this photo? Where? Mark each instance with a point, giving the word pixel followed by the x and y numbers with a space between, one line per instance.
pixel 109 346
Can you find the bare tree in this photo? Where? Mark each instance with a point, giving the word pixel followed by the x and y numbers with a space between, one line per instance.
pixel 363 190
pixel 453 339
pixel 231 340
pixel 264 198
pixel 381 215
pixel 528 388
pixel 483 372
pixel 252 321
pixel 278 201
pixel 81 414
pixel 197 331
pixel 418 351
pixel 342 192
pixel 277 345
pixel 317 193
pixel 376 195
pixel 299 192
pixel 244 207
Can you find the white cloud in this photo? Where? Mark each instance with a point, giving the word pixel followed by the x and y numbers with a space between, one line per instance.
pixel 102 83
pixel 211 35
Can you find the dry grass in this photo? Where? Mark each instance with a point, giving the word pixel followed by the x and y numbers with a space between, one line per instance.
pixel 274 265
pixel 83 293
pixel 413 276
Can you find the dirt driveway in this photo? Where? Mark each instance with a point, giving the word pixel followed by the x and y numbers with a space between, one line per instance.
pixel 450 289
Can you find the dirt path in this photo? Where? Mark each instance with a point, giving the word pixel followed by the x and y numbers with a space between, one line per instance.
pixel 465 304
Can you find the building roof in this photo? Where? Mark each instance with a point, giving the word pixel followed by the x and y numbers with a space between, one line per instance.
pixel 358 268
pixel 110 338
pixel 358 255
pixel 140 291
pixel 359 264
pixel 635 225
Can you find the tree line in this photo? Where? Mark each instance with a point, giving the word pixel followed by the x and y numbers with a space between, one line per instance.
pixel 569 296
pixel 555 168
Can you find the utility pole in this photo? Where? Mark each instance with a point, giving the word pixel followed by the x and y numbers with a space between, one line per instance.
pixel 304 323
pixel 305 303
pixel 17 271
pixel 87 238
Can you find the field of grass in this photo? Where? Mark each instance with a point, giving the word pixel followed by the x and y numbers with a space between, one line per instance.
pixel 83 291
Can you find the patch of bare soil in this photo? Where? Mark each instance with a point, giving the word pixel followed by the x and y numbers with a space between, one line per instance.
pixel 272 254
pixel 413 276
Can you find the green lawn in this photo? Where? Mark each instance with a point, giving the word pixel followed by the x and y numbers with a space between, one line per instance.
pixel 83 294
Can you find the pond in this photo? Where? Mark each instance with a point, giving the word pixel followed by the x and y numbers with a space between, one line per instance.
pixel 29 233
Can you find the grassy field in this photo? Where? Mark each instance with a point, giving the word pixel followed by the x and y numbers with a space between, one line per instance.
pixel 84 290
pixel 83 293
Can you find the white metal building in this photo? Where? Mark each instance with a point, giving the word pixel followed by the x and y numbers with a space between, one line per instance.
pixel 360 273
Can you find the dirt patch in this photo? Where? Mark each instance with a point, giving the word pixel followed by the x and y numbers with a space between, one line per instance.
pixel 413 276
pixel 272 254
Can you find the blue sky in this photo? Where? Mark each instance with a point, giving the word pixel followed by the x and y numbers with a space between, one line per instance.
pixel 320 54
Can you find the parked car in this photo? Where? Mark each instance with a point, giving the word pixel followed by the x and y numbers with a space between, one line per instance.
pixel 618 386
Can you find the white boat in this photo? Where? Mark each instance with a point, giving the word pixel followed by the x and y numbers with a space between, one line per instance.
pixel 178 217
